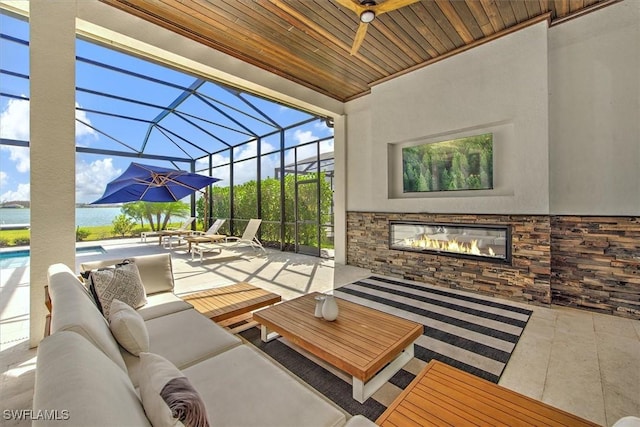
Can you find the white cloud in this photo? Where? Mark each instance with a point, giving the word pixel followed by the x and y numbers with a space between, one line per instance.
pixel 302 136
pixel 92 178
pixel 83 130
pixel 14 124
pixel 23 192
pixel 19 155
pixel 14 120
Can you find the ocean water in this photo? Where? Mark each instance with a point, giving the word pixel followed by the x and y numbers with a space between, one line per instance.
pixel 85 217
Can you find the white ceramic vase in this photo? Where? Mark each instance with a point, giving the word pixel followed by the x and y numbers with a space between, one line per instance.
pixel 330 308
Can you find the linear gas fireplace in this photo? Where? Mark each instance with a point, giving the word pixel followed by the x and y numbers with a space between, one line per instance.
pixel 475 241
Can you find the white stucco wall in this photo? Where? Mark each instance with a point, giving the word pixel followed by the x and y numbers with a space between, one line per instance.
pixel 499 87
pixel 594 107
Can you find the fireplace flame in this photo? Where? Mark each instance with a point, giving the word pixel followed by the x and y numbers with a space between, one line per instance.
pixel 447 245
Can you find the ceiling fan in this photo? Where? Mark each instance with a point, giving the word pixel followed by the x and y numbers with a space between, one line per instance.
pixel 367 11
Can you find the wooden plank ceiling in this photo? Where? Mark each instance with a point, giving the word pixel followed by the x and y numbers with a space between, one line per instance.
pixel 309 41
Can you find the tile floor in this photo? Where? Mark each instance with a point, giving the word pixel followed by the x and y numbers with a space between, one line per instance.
pixel 587 364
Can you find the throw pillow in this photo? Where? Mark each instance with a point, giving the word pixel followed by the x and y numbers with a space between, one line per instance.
pixel 168 397
pixel 122 282
pixel 128 328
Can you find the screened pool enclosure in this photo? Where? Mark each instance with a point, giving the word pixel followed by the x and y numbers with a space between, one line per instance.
pixel 274 161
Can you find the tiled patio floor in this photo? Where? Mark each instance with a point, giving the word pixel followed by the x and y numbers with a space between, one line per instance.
pixel 587 364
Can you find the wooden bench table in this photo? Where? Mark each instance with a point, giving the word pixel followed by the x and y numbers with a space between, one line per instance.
pixel 232 304
pixel 443 395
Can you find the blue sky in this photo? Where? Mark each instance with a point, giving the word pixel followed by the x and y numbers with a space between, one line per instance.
pixel 93 172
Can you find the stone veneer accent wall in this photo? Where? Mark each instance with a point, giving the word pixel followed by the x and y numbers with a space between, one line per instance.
pixel 527 279
pixel 591 263
pixel 595 263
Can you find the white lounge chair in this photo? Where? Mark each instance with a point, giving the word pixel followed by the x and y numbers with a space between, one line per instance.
pixel 170 234
pixel 215 227
pixel 248 239
pixel 183 227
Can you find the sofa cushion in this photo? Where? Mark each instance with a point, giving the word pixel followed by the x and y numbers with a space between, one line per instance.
pixel 72 310
pixel 155 271
pixel 121 281
pixel 161 304
pixel 128 328
pixel 184 338
pixel 74 376
pixel 242 388
pixel 167 395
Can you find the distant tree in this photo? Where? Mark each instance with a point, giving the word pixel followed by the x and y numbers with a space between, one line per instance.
pixel 158 214
pixel 81 234
pixel 122 225
pixel 135 210
pixel 473 182
pixel 422 183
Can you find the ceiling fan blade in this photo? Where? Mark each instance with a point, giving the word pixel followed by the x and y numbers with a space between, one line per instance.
pixel 362 31
pixel 352 5
pixel 390 5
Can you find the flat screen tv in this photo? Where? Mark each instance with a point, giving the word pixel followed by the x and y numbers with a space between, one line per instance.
pixel 458 164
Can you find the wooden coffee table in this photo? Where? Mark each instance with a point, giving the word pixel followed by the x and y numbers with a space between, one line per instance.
pixel 368 344
pixel 228 304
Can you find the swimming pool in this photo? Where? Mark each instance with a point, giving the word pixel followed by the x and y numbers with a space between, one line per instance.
pixel 20 258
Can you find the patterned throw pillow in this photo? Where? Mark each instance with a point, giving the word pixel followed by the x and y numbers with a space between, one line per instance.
pixel 122 282
pixel 168 397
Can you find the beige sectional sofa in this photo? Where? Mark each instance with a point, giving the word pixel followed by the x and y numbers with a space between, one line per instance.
pixel 85 378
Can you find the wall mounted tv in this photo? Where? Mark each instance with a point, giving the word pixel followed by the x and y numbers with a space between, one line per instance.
pixel 458 164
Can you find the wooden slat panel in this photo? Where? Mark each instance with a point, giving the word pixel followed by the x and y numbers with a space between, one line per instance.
pixel 469 19
pixel 493 13
pixel 443 394
pixel 562 8
pixel 520 11
pixel 480 16
pixel 308 42
pixel 450 12
pixel 506 12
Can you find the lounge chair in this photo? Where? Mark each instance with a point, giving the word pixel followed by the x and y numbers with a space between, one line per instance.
pixel 248 239
pixel 209 236
pixel 183 227
pixel 215 227
pixel 170 233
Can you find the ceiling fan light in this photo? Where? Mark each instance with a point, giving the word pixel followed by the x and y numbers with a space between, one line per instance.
pixel 367 16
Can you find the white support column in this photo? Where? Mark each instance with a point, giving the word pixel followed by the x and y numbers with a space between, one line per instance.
pixel 340 189
pixel 52 52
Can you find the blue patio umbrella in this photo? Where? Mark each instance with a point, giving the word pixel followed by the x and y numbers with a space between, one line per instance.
pixel 153 184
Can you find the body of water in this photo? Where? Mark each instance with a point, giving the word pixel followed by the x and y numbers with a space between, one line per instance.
pixel 85 217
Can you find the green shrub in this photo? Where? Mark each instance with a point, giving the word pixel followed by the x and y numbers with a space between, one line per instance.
pixel 81 234
pixel 4 242
pixel 22 241
pixel 122 225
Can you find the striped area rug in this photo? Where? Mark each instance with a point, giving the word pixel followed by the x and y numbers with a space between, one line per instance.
pixel 465 330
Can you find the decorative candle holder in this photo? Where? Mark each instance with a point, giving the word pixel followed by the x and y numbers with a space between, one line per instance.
pixel 319 304
pixel 330 308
